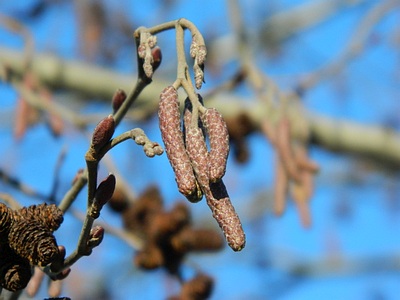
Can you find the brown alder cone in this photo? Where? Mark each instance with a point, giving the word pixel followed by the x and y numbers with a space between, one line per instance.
pixel 33 241
pixel 149 258
pixel 15 271
pixel 48 215
pixel 136 217
pixel 6 218
pixel 225 215
pixel 172 136
pixel 191 239
pixel 219 143
pixel 198 288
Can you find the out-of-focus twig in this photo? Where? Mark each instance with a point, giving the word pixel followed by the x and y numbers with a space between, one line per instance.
pixel 355 46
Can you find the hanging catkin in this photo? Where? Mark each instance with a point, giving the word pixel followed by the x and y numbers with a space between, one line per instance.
pixel 172 136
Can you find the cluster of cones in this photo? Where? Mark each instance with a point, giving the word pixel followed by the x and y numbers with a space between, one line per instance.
pixel 168 237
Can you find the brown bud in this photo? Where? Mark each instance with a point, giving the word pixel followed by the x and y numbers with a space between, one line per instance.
pixel 157 57
pixel 49 215
pixel 219 143
pixel 225 215
pixel 33 241
pixel 103 193
pixel 117 100
pixel 172 136
pixel 96 236
pixel 62 275
pixel 103 132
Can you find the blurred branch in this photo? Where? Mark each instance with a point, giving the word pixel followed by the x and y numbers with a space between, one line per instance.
pixel 376 142
pixel 283 25
pixel 355 46
pixel 334 264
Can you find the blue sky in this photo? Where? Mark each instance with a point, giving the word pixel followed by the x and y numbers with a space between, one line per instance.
pixel 355 207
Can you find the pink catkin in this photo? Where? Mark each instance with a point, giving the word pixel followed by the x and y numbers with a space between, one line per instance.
pixel 172 136
pixel 225 215
pixel 197 149
pixel 219 143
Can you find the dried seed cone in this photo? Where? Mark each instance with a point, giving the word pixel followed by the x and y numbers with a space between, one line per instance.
pixel 172 136
pixel 219 143
pixel 200 287
pixel 138 216
pixel 15 272
pixel 149 258
pixel 190 239
pixel 33 241
pixel 48 215
pixel 225 215
pixel 6 218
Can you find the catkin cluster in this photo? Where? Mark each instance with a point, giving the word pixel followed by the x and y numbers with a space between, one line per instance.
pixel 26 240
pixel 199 169
pixel 168 235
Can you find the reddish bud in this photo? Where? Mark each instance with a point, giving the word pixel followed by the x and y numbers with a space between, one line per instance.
pixel 103 132
pixel 117 100
pixel 103 193
pixel 157 57
pixel 96 236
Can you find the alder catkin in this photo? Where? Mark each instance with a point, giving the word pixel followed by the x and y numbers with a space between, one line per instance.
pixel 197 150
pixel 225 215
pixel 172 136
pixel 219 143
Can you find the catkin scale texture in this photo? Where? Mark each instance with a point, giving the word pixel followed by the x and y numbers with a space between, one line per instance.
pixel 224 213
pixel 197 150
pixel 172 136
pixel 219 143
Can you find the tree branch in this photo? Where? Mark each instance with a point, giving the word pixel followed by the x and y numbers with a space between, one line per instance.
pixel 372 141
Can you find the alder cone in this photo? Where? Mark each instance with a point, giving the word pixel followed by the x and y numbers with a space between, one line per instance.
pixel 225 215
pixel 191 239
pixel 15 271
pixel 48 215
pixel 172 136
pixel 6 218
pixel 33 241
pixel 219 143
